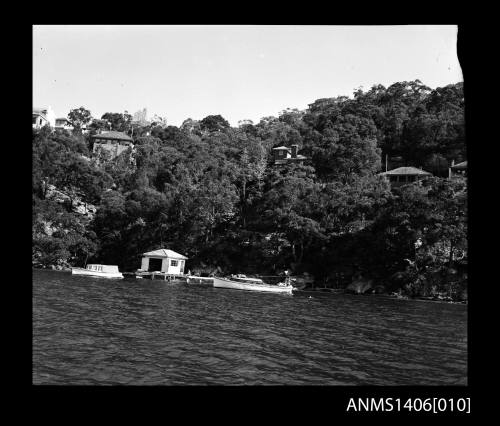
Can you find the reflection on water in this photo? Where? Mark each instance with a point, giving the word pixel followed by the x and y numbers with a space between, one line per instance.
pixel 142 332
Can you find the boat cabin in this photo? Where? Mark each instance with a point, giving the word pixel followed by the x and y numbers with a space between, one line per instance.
pixel 163 260
pixel 109 269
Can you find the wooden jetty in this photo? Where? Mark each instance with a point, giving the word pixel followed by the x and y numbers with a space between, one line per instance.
pixel 157 275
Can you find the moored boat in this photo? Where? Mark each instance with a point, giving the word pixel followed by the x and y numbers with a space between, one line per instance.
pixel 193 279
pixel 94 270
pixel 241 282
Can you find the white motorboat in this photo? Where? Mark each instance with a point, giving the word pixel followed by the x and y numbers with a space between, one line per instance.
pixel 241 282
pixel 94 270
pixel 193 279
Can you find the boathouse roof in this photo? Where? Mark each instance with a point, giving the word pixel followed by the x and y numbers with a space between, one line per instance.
pixel 114 136
pixel 401 171
pixel 164 253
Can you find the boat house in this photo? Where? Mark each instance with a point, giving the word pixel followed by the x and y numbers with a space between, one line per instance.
pixel 163 260
pixel 405 175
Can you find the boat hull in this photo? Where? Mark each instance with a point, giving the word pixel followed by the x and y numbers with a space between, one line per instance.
pixel 86 272
pixel 191 279
pixel 268 288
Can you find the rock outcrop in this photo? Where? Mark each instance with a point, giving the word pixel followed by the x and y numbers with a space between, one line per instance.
pixel 360 285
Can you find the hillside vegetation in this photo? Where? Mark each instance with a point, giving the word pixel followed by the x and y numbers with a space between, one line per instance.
pixel 212 192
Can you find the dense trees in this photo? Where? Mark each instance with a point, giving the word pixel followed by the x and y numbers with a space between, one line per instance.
pixel 79 117
pixel 423 232
pixel 422 126
pixel 120 122
pixel 212 192
pixel 62 176
pixel 214 123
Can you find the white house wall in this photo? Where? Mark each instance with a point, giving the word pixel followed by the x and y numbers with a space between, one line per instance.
pixel 51 117
pixel 173 269
pixel 166 266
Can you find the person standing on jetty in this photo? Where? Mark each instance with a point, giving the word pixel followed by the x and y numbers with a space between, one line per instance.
pixel 287 277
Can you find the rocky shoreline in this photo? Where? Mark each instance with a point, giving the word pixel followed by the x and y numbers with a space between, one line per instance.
pixel 60 268
pixel 394 295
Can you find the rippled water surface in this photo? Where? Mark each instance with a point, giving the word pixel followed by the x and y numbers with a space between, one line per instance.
pixel 139 332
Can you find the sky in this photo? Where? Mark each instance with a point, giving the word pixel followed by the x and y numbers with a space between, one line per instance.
pixel 240 72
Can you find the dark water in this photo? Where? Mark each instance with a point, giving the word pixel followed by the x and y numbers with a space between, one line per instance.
pixel 140 332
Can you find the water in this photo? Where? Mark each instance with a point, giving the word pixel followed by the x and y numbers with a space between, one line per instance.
pixel 139 332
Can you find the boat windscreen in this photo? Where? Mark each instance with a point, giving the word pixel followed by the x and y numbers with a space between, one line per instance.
pixel 110 268
pixel 248 280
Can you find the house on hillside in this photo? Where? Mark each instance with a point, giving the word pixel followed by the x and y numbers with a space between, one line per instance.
pixel 63 123
pixel 163 260
pixel 284 155
pixel 112 142
pixel 457 170
pixel 405 175
pixel 42 117
pixel 39 120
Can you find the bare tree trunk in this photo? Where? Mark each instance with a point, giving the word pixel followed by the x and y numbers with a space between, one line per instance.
pixel 301 252
pixel 243 203
pixel 45 189
pixel 70 204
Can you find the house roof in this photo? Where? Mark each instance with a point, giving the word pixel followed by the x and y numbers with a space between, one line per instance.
pixel 401 171
pixel 114 135
pixel 282 147
pixel 460 166
pixel 165 253
pixel 39 114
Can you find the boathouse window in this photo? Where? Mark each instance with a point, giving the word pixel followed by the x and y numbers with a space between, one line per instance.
pixel 173 263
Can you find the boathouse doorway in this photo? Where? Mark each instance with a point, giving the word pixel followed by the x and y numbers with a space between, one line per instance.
pixel 154 264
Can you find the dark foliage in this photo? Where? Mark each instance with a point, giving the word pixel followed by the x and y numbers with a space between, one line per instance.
pixel 212 192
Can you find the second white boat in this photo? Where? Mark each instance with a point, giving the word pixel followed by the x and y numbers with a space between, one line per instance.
pixel 251 284
pixel 102 271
